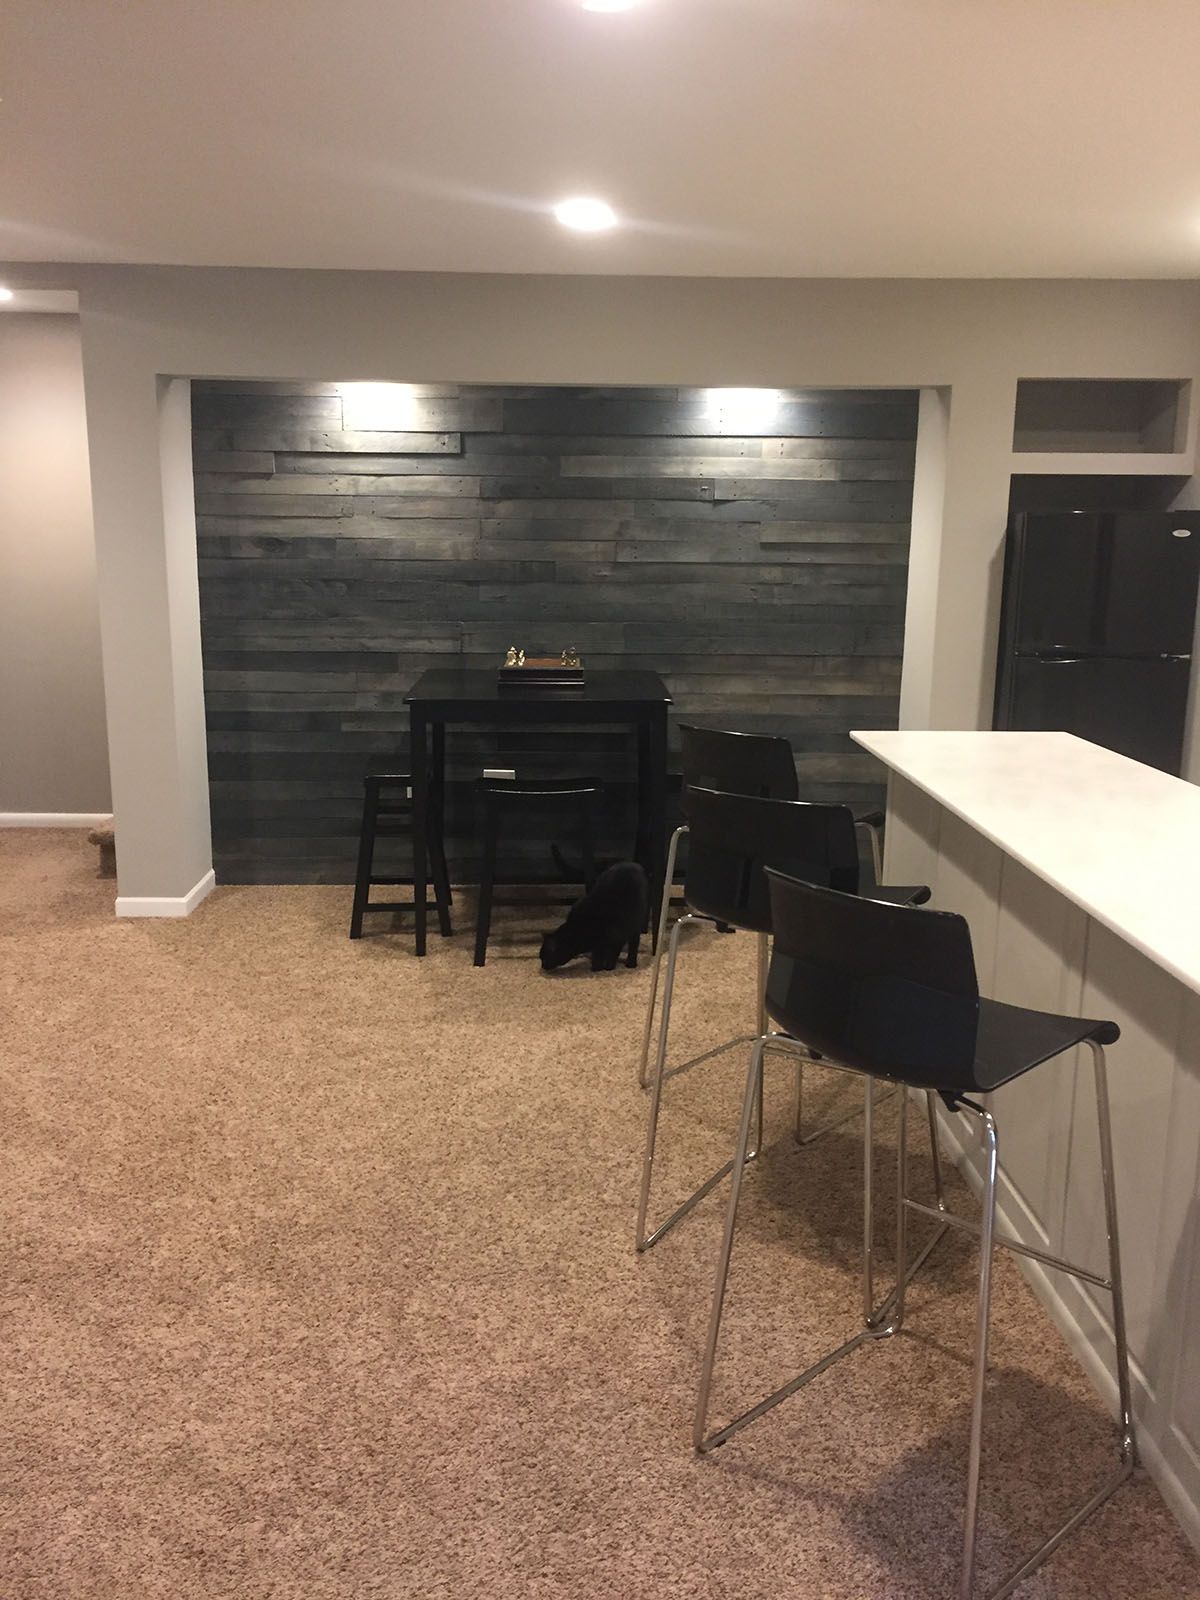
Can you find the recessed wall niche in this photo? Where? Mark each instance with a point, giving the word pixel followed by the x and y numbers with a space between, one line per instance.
pixel 1100 415
pixel 755 554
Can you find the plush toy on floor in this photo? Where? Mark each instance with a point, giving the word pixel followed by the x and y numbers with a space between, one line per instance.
pixel 610 917
pixel 104 835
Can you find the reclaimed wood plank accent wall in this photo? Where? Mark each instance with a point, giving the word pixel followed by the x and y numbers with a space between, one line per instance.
pixel 762 574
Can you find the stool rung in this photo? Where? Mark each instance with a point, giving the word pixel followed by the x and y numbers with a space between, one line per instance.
pixel 965 1225
pixel 397 905
pixel 555 900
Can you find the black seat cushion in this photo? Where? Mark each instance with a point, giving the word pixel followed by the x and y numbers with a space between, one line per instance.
pixel 1011 1039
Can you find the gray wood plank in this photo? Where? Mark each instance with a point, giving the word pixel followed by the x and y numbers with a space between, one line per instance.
pixel 294 485
pixel 257 462
pixel 812 466
pixel 289 434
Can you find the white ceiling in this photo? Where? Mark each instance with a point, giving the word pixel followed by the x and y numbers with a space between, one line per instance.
pixel 759 137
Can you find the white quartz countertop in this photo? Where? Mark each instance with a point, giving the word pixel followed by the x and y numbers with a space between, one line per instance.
pixel 1120 839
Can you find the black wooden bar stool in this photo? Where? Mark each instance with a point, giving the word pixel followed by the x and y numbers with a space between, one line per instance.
pixel 891 991
pixel 501 796
pixel 732 839
pixel 387 812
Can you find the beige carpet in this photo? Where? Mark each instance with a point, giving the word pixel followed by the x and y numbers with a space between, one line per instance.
pixel 318 1281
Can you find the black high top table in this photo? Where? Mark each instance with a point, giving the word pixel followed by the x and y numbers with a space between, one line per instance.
pixel 446 697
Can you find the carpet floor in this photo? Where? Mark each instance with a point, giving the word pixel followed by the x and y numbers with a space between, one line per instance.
pixel 317 1282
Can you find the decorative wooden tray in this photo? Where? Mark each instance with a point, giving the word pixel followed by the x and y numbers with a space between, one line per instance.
pixel 544 672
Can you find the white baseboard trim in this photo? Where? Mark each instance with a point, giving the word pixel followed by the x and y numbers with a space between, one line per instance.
pixel 1099 1364
pixel 53 819
pixel 166 905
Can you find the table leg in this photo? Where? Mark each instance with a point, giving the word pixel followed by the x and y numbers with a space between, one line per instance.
pixel 657 820
pixel 641 848
pixel 419 758
pixel 436 814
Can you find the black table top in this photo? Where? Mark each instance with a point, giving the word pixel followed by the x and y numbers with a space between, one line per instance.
pixel 455 686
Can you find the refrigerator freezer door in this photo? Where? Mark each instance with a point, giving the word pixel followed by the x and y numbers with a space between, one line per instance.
pixel 1052 584
pixel 1149 588
pixel 1136 708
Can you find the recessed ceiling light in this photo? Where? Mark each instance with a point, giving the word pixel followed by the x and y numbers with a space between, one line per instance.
pixel 6 294
pixel 609 5
pixel 586 215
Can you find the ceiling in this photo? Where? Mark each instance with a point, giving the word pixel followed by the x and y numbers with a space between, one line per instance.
pixel 873 138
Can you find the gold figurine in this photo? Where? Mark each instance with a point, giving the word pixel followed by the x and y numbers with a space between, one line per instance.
pixel 510 660
pixel 570 656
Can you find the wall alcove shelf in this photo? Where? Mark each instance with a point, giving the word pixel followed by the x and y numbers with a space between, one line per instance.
pixel 1112 426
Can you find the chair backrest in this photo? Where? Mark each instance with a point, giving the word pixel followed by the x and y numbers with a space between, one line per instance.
pixel 738 763
pixel 733 837
pixel 888 989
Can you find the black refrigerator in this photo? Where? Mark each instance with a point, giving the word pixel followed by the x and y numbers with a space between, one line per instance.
pixel 1096 628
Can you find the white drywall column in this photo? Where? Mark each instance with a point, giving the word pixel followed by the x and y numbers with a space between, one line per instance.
pixel 924 558
pixel 53 747
pixel 150 626
pixel 960 504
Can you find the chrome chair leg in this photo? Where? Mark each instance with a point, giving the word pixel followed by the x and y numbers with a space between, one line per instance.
pixel 764 1027
pixel 1128 1442
pixel 868 1269
pixel 883 1328
pixel 1120 1338
pixel 753 1078
pixel 643 1239
pixel 839 1121
pixel 891 1307
pixel 876 837
pixel 935 1149
pixel 664 913
pixel 983 1314
pixel 902 1272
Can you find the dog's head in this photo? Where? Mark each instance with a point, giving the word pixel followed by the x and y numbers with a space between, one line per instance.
pixel 555 951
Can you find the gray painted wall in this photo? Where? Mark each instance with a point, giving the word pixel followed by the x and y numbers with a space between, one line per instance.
pixel 764 575
pixel 53 745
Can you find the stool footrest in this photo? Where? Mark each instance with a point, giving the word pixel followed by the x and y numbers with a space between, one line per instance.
pixel 397 905
pixel 965 1225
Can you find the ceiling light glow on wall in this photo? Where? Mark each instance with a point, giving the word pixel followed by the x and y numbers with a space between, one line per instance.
pixel 378 407
pixel 742 410
pixel 5 294
pixel 609 5
pixel 586 215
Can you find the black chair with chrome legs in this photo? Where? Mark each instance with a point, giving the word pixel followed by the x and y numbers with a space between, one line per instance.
pixel 732 839
pixel 757 764
pixel 891 992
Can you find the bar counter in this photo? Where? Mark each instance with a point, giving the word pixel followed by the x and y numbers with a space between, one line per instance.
pixel 1079 873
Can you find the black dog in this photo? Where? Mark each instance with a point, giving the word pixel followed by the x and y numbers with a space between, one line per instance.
pixel 611 916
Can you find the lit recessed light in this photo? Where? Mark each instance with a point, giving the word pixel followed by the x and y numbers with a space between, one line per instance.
pixel 742 410
pixel 586 215
pixel 5 294
pixel 378 407
pixel 609 5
